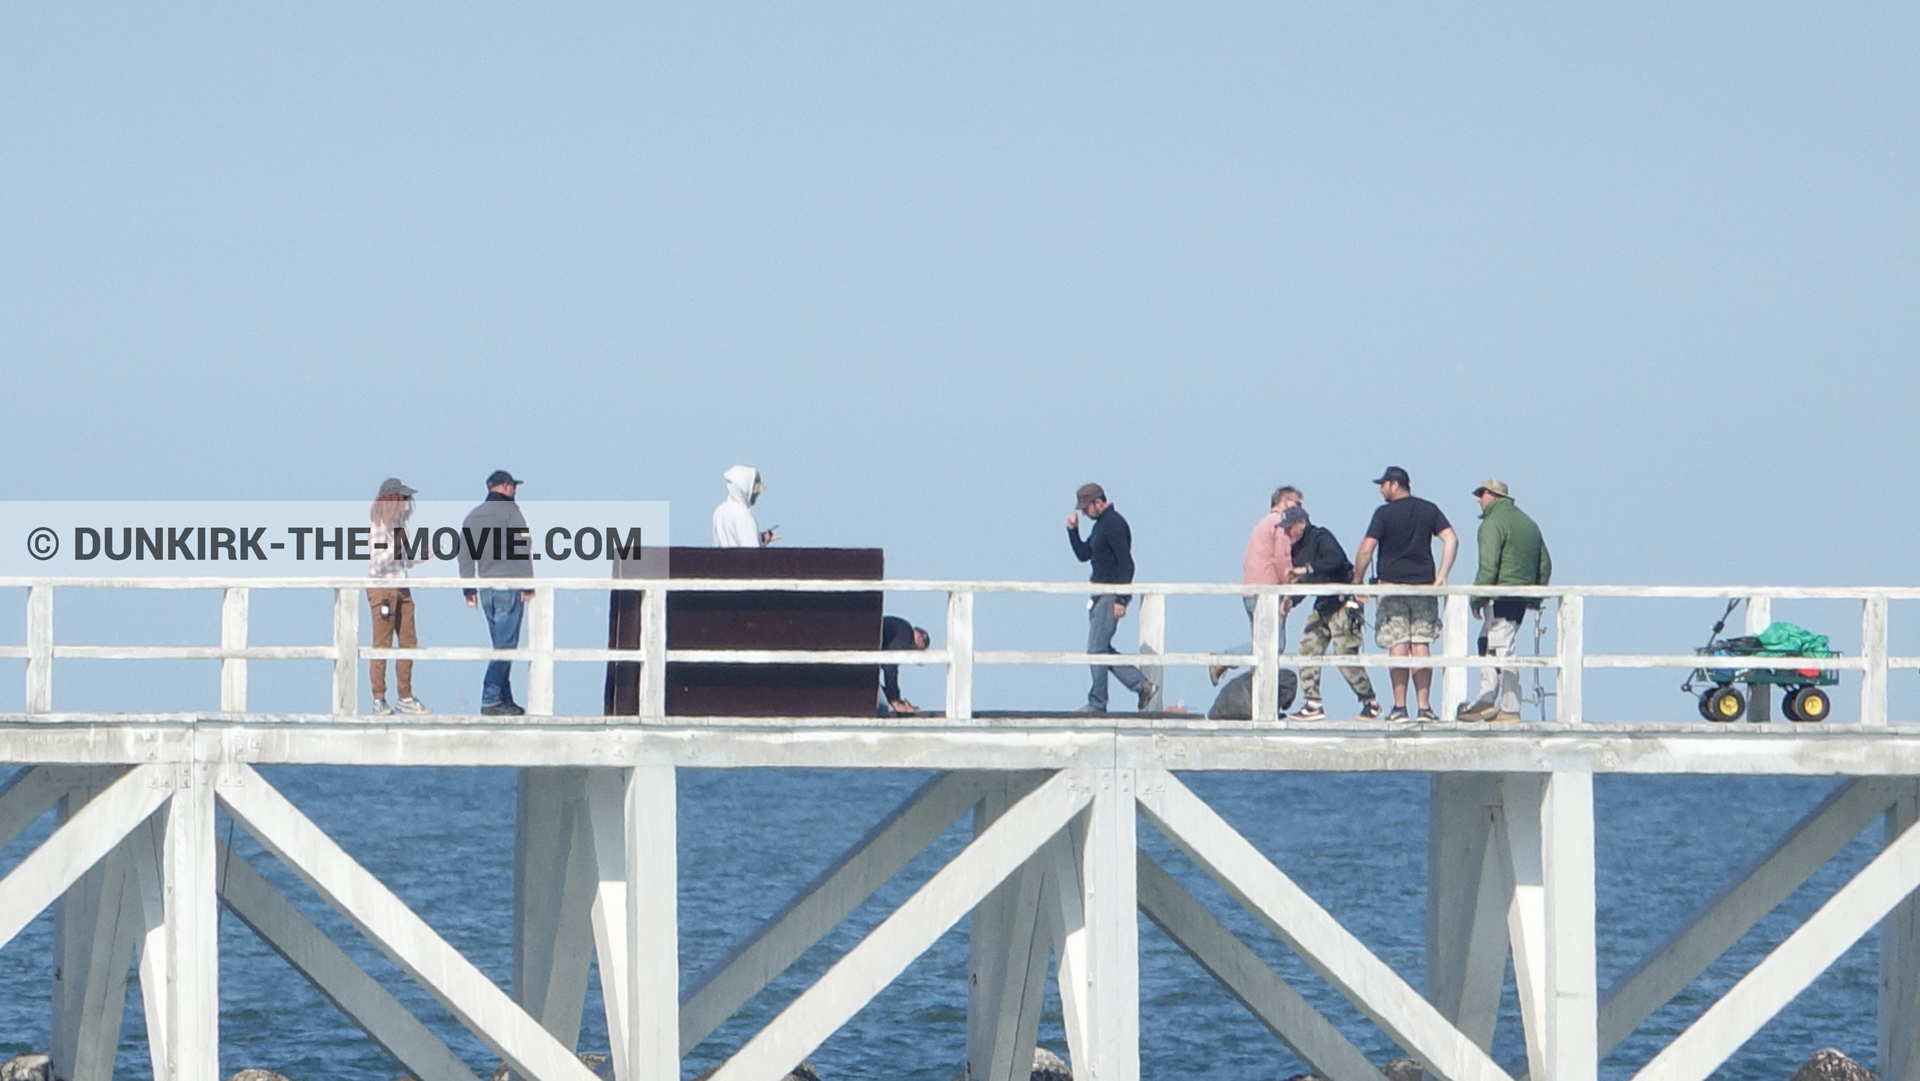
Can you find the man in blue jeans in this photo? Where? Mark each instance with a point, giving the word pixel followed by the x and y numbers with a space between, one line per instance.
pixel 494 543
pixel 1109 547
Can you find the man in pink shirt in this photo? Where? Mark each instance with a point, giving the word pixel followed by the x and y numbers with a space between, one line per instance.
pixel 1268 561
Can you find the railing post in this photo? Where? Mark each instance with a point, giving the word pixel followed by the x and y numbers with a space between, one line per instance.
pixel 540 640
pixel 653 652
pixel 1571 658
pixel 1153 639
pixel 1873 648
pixel 1759 618
pixel 1453 644
pixel 1266 657
pixel 233 635
pixel 959 655
pixel 40 649
pixel 346 652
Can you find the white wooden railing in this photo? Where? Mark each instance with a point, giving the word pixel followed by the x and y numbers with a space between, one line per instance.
pixel 961 655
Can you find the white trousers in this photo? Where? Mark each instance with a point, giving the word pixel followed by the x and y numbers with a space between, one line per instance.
pixel 1502 684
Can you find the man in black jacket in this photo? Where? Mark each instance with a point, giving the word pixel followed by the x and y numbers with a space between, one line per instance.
pixel 1109 547
pixel 897 634
pixel 1334 620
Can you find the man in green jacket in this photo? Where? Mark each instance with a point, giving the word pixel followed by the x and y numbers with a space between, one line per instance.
pixel 1511 554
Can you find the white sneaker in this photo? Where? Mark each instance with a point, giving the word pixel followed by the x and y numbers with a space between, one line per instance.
pixel 413 705
pixel 380 707
pixel 1312 711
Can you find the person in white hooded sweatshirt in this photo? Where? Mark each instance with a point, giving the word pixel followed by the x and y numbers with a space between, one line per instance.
pixel 733 522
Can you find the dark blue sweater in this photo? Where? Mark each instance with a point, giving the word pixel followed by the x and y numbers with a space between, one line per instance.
pixel 1109 547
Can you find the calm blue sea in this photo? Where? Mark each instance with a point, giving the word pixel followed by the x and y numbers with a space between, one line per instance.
pixel 442 839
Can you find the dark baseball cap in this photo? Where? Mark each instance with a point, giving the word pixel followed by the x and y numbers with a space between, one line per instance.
pixel 1292 516
pixel 1397 475
pixel 1088 493
pixel 392 486
pixel 501 476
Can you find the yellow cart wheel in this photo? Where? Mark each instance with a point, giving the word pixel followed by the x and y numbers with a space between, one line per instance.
pixel 1725 705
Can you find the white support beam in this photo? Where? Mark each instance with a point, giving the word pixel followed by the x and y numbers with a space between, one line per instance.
pixel 403 936
pixel 192 928
pixel 652 986
pixel 334 974
pixel 1850 913
pixel 553 892
pixel 959 655
pixel 820 905
pixel 1310 931
pixel 1272 1000
pixel 1757 889
pixel 233 635
pixel 1572 991
pixel 1456 631
pixel 32 792
pixel 1008 949
pixel 148 844
pixel 1111 985
pixel 1067 923
pixel 96 933
pixel 346 652
pixel 880 957
pixel 1469 888
pixel 606 791
pixel 87 836
pixel 1899 1014
pixel 1521 841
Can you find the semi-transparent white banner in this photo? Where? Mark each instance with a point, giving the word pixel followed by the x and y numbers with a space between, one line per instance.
pixel 433 539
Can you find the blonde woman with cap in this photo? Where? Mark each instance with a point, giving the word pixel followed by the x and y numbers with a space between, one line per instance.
pixel 392 606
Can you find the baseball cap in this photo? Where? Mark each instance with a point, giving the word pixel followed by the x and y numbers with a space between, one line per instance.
pixel 501 476
pixel 1087 493
pixel 1497 487
pixel 1292 516
pixel 392 486
pixel 1396 474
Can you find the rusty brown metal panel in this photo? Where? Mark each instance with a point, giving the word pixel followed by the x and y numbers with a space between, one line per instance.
pixel 770 620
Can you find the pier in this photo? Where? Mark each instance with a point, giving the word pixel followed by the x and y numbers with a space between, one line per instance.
pixel 1054 880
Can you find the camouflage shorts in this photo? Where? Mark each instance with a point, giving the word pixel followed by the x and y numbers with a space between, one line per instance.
pixel 1402 619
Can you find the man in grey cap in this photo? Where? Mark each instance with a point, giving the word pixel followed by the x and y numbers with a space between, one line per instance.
pixel 495 543
pixel 1512 553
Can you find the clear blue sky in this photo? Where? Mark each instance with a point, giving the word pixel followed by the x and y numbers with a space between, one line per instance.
pixel 930 267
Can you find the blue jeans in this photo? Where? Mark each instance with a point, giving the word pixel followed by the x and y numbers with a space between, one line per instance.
pixel 1101 623
pixel 503 609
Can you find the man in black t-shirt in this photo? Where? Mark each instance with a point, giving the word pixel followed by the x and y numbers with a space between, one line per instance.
pixel 1402 534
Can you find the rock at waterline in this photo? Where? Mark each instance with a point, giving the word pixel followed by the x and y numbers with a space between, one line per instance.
pixel 1306 1077
pixel 253 1073
pixel 802 1072
pixel 1402 1069
pixel 1047 1066
pixel 601 1065
pixel 31 1066
pixel 1830 1064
